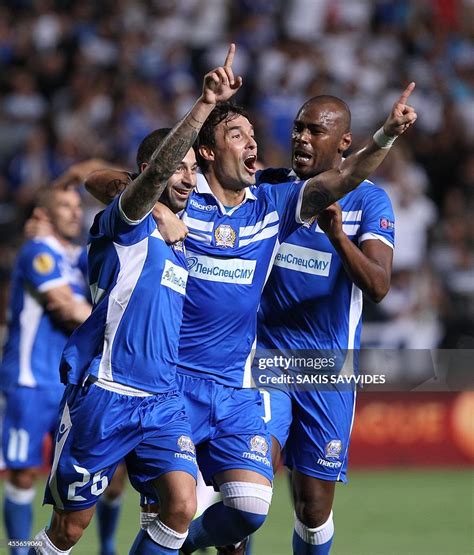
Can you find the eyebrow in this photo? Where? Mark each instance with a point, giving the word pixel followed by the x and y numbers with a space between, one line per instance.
pixel 310 125
pixel 238 128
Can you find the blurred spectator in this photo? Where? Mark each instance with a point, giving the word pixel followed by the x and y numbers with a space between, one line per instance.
pixel 24 102
pixel 83 79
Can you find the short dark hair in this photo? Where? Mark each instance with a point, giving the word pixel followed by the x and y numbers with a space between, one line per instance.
pixel 224 111
pixel 44 197
pixel 149 144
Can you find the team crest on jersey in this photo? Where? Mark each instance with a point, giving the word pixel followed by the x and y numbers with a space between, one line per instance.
pixel 43 263
pixel 225 236
pixel 178 246
pixel 185 443
pixel 385 223
pixel 333 449
pixel 259 444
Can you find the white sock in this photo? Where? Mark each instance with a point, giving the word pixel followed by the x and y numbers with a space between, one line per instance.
pixel 45 545
pixel 247 496
pixel 315 536
pixel 165 536
pixel 19 496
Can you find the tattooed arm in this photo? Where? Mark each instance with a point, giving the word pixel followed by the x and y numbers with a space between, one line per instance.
pixel 106 184
pixel 141 195
pixel 326 188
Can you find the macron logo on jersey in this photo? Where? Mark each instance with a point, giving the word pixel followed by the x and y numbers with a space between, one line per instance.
pixel 174 277
pixel 204 207
pixel 302 259
pixel 223 270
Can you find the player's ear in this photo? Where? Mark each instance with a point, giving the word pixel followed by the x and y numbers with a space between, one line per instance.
pixel 143 166
pixel 345 142
pixel 206 153
pixel 40 213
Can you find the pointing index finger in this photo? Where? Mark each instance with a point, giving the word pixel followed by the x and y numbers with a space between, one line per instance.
pixel 230 56
pixel 406 93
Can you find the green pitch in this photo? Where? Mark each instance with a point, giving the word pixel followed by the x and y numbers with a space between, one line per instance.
pixel 403 512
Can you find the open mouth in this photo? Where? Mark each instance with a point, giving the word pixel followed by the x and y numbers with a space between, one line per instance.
pixel 182 193
pixel 251 163
pixel 301 157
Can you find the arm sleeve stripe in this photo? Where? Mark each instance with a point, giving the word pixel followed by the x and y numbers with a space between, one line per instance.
pixel 368 236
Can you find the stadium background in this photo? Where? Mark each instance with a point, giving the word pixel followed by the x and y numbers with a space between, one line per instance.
pixel 81 79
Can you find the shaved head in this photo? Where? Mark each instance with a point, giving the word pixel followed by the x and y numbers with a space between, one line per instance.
pixel 335 104
pixel 321 134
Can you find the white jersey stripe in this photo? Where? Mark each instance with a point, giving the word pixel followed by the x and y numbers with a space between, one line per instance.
pixel 375 236
pixel 199 225
pixel 52 284
pixel 300 203
pixel 116 387
pixel 253 229
pixel 248 379
pixel 202 238
pixel 350 432
pixel 349 229
pixel 132 260
pixel 352 216
pixel 126 219
pixel 355 313
pixel 30 319
pixel 264 234
pixel 64 429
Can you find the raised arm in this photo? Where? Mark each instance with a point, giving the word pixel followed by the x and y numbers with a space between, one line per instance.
pixel 76 174
pixel 106 184
pixel 141 195
pixel 326 188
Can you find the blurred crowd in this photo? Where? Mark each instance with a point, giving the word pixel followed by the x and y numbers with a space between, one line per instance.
pixel 90 78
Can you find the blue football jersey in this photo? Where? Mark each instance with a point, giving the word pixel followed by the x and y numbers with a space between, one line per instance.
pixel 229 254
pixel 35 341
pixel 137 284
pixel 309 301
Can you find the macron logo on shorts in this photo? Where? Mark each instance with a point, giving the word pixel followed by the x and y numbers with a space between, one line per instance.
pixel 302 259
pixel 174 277
pixel 224 270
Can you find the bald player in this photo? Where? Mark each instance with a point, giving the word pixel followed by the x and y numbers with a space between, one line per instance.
pixel 313 302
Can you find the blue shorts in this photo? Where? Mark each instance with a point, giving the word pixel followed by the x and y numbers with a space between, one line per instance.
pixel 227 427
pixel 315 429
pixel 98 428
pixel 31 413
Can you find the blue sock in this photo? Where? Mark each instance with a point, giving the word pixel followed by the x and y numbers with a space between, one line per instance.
pixel 108 513
pixel 144 545
pixel 18 515
pixel 317 541
pixel 221 525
